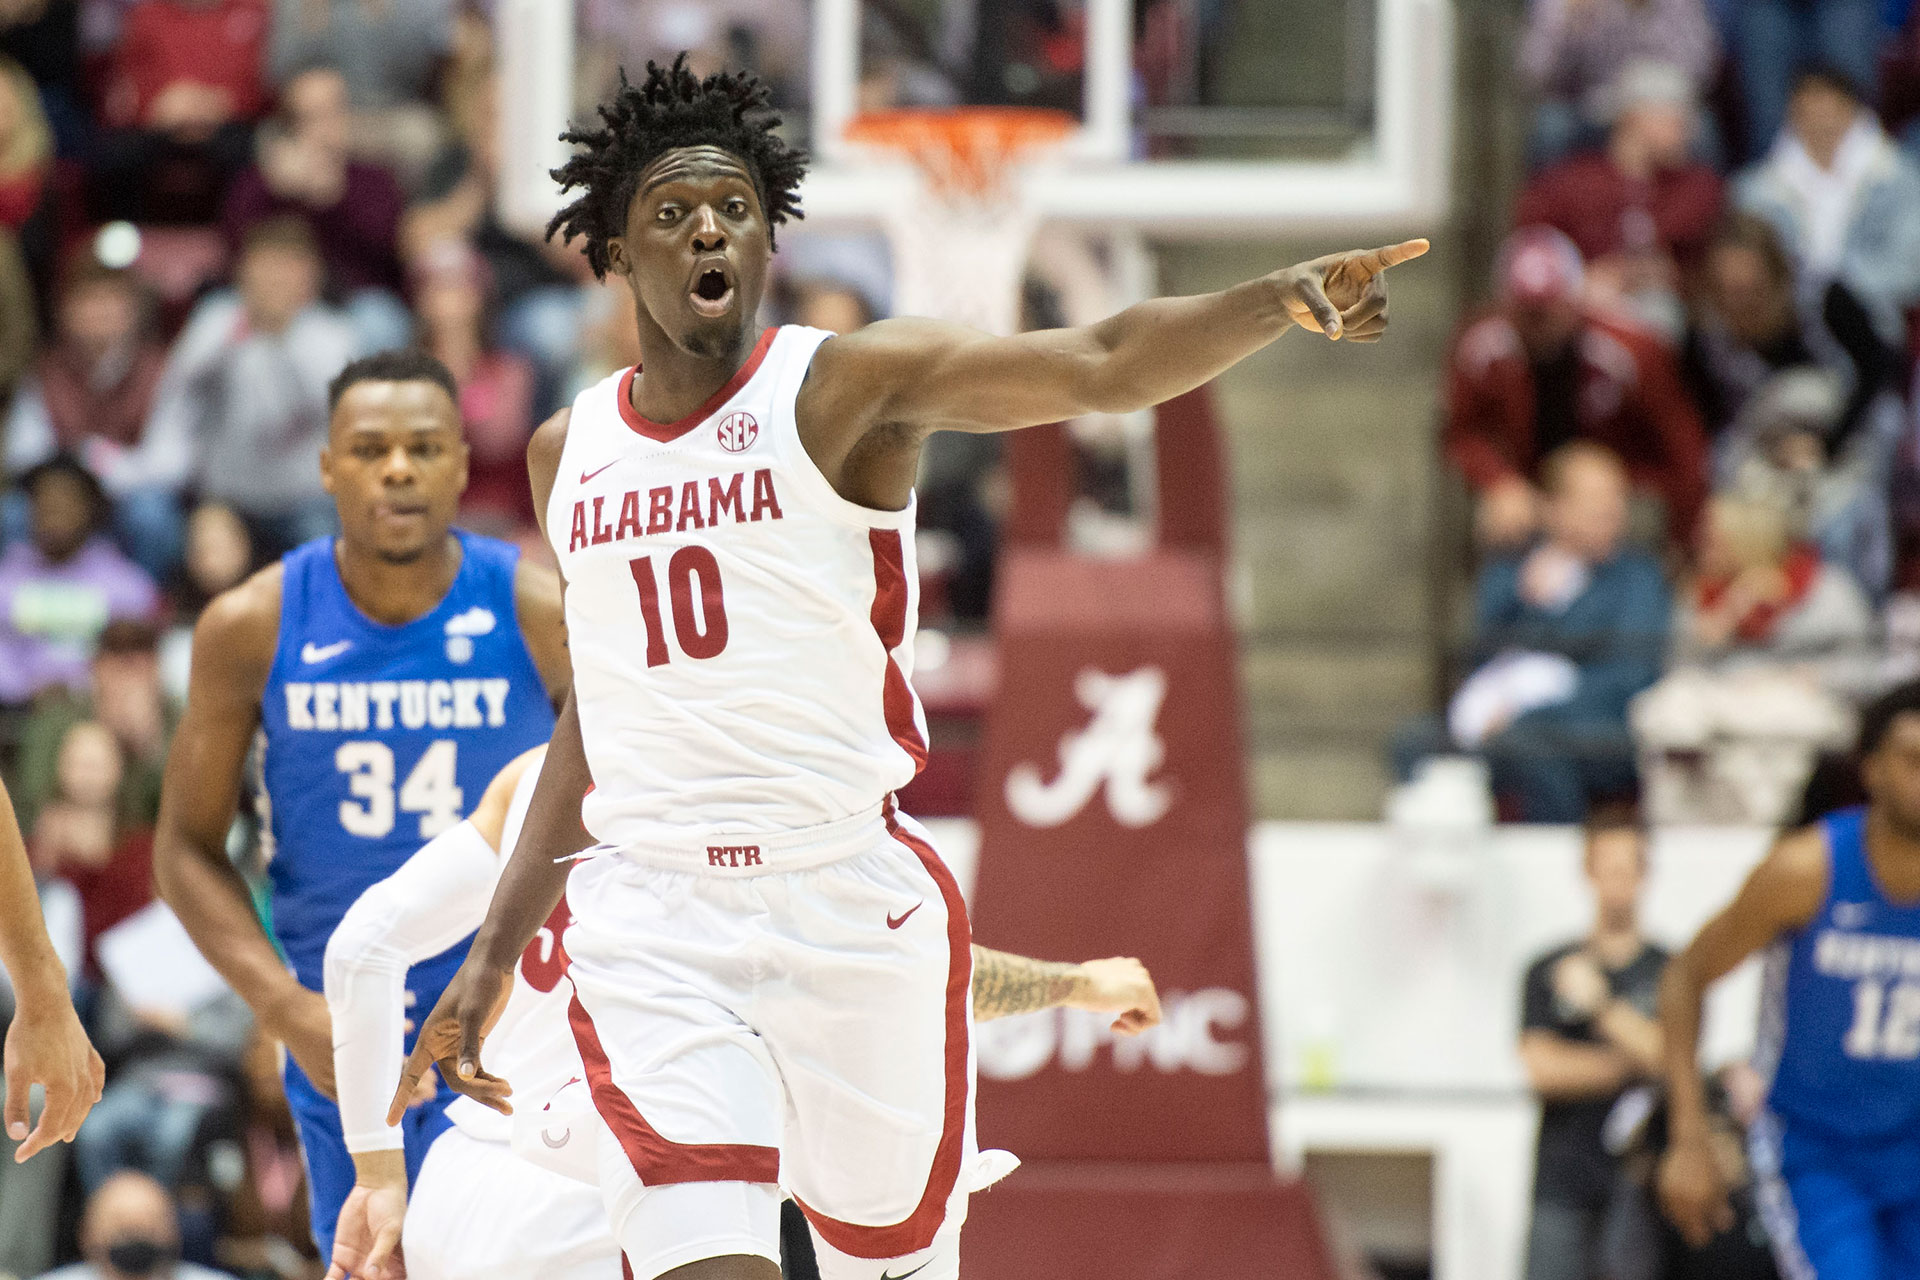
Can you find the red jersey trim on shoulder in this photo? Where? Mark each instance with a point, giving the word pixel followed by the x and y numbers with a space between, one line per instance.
pixel 665 431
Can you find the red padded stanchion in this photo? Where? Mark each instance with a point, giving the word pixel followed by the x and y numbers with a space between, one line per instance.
pixel 1113 813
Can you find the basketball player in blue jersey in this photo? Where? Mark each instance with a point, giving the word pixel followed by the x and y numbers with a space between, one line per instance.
pixel 390 674
pixel 1836 1157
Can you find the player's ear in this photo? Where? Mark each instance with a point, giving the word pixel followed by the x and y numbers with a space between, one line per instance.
pixel 617 256
pixel 326 467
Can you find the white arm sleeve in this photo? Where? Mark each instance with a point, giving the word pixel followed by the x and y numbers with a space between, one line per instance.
pixel 437 897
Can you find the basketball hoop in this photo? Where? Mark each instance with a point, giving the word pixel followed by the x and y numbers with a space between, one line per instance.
pixel 960 251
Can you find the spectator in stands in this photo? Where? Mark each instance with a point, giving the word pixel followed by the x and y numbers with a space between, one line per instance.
pixel 268 1222
pixel 1565 633
pixel 183 88
pixel 43 36
pixel 1587 1036
pixel 1844 199
pixel 1769 642
pixel 496 387
pixel 242 409
pixel 81 835
pixel 219 554
pixel 26 147
pixel 1760 594
pixel 1542 371
pixel 1775 41
pixel 1748 325
pixel 1640 211
pixel 131 1231
pixel 829 304
pixel 351 206
pixel 389 53
pixel 125 696
pixel 541 290
pixel 1574 50
pixel 1786 447
pixel 63 584
pixel 89 395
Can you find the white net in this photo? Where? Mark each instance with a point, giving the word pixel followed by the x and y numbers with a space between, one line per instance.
pixel 960 249
pixel 961 260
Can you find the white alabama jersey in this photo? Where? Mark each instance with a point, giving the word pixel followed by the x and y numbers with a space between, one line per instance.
pixel 742 636
pixel 531 1047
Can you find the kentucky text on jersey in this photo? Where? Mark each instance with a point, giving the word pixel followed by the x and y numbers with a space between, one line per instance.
pixel 346 706
pixel 694 509
pixel 379 737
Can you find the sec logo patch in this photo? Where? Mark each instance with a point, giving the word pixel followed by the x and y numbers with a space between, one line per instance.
pixel 738 431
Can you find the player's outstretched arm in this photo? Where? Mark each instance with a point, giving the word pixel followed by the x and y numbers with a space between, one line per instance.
pixel 45 1043
pixel 1004 983
pixel 529 889
pixel 926 375
pixel 1782 895
pixel 233 646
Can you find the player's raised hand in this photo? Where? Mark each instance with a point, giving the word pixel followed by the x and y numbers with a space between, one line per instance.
pixel 1122 986
pixel 452 1036
pixel 1693 1192
pixel 366 1239
pixel 46 1046
pixel 1344 295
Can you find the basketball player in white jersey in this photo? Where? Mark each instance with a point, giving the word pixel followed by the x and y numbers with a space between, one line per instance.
pixel 770 963
pixel 479 1211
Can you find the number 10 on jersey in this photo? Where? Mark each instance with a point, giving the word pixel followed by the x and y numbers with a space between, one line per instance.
pixel 702 634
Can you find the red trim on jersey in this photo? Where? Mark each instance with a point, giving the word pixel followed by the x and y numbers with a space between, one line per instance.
pixel 660 1161
pixel 626 1268
pixel 664 431
pixel 916 1232
pixel 890 621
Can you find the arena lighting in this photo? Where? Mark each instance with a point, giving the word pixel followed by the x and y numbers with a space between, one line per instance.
pixel 1396 178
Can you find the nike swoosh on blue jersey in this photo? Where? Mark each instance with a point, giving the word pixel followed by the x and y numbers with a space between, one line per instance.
pixel 313 653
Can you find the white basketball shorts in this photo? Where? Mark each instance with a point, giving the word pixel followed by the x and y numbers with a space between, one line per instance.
pixel 790 1009
pixel 479 1212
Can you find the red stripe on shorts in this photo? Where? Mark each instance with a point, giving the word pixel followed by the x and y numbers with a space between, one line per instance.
pixel 660 1161
pixel 890 621
pixel 917 1231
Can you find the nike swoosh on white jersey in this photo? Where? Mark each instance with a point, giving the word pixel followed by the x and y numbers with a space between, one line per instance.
pixel 313 653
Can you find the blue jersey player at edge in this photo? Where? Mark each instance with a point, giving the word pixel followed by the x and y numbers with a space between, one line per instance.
pixel 1836 1155
pixel 391 673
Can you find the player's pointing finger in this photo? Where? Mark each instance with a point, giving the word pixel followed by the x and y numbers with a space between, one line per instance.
pixel 1394 254
pixel 410 1076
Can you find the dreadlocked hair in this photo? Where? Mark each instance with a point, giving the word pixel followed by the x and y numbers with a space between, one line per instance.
pixel 671 108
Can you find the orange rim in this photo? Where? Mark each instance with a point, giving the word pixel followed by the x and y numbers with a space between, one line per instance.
pixel 965 147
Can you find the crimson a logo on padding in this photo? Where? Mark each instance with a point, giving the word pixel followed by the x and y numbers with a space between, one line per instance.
pixel 738 431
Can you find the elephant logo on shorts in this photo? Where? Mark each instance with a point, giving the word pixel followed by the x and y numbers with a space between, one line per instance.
pixel 1118 747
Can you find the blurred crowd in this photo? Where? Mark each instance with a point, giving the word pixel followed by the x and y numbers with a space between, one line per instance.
pixel 1687 422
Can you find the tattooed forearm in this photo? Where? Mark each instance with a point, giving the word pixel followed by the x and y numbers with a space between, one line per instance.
pixel 1004 983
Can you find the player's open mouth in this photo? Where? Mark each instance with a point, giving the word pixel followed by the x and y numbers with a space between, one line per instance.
pixel 712 292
